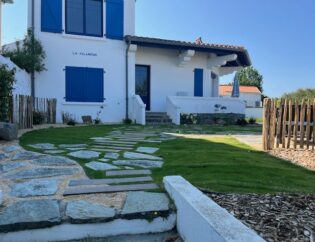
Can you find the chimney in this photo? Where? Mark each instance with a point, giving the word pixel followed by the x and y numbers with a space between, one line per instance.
pixel 199 41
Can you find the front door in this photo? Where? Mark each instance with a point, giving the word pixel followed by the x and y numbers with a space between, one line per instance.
pixel 143 84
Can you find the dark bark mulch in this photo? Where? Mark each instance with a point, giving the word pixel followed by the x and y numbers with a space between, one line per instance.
pixel 281 217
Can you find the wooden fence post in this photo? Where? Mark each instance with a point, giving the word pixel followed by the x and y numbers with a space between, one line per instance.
pixel 302 120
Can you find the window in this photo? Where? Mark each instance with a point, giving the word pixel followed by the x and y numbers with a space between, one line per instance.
pixel 84 17
pixel 84 84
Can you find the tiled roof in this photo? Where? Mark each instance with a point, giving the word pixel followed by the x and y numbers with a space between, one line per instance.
pixel 226 90
pixel 219 49
pixel 186 43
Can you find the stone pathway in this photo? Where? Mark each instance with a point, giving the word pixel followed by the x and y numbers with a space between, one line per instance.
pixel 47 188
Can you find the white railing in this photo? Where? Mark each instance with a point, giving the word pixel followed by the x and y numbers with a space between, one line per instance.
pixel 138 110
pixel 173 111
pixel 200 105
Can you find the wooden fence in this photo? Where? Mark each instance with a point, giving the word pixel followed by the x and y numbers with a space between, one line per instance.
pixel 22 110
pixel 288 124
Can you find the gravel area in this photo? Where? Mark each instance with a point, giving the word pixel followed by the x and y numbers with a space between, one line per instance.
pixel 305 158
pixel 281 217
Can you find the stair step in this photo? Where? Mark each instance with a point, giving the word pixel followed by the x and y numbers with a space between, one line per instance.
pixel 95 182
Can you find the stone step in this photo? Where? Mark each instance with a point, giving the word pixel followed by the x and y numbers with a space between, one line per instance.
pixel 113 144
pixel 106 150
pixel 128 173
pixel 88 182
pixel 111 147
pixel 109 189
pixel 118 142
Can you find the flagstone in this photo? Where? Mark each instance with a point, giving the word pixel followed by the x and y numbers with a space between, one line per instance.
pixel 149 150
pixel 104 160
pixel 35 188
pixel 139 163
pixel 54 152
pixel 112 155
pixel 11 148
pixel 73 145
pixel 54 161
pixel 100 166
pixel 84 154
pixel 134 155
pixel 128 172
pixel 83 210
pixel 43 146
pixel 1 198
pixel 6 167
pixel 42 172
pixel 26 155
pixel 3 156
pixel 118 142
pixel 109 189
pixel 112 147
pixel 105 150
pixel 95 182
pixel 30 214
pixel 141 202
pixel 75 149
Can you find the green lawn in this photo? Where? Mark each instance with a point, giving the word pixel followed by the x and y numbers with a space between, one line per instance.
pixel 220 164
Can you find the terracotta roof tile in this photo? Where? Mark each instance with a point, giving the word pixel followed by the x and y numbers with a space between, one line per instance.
pixel 226 90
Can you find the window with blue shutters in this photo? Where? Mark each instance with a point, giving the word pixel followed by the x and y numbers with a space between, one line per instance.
pixel 115 19
pixel 51 16
pixel 84 17
pixel 84 84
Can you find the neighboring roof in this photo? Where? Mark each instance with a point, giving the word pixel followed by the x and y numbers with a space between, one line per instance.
pixel 219 49
pixel 226 90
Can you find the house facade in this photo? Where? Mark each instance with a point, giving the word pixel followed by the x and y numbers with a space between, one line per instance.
pixel 96 63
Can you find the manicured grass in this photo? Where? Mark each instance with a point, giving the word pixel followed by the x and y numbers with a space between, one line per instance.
pixel 217 164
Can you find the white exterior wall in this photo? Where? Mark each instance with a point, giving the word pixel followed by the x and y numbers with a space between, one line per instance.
pixel 167 78
pixel 81 51
pixel 249 98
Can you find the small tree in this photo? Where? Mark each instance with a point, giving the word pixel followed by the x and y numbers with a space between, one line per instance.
pixel 249 76
pixel 6 88
pixel 30 56
pixel 308 93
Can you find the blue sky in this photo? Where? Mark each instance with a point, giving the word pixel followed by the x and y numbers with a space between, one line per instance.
pixel 279 34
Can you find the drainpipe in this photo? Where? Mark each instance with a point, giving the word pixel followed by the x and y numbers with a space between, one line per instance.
pixel 33 31
pixel 127 79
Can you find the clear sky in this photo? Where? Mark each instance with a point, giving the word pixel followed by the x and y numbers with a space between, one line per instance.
pixel 279 34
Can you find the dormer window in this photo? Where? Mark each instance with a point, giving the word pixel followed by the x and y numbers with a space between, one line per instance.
pixel 84 17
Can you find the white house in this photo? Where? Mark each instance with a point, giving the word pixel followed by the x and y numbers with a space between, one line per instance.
pixel 95 62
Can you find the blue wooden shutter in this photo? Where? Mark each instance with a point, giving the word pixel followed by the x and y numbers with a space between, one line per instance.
pixel 51 16
pixel 94 85
pixel 75 82
pixel 115 19
pixel 198 92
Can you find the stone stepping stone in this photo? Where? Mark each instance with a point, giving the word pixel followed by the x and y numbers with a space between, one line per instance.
pixel 139 163
pixel 26 155
pixel 116 145
pixel 112 147
pixel 128 173
pixel 100 166
pixel 75 149
pixel 11 166
pixel 35 188
pixel 142 202
pixel 109 189
pixel 53 161
pixel 54 152
pixel 3 156
pixel 73 146
pixel 1 198
pixel 134 155
pixel 43 146
pixel 118 142
pixel 84 154
pixel 112 155
pixel 96 182
pixel 104 160
pixel 106 150
pixel 43 172
pixel 85 211
pixel 100 138
pixel 149 150
pixel 29 215
pixel 11 148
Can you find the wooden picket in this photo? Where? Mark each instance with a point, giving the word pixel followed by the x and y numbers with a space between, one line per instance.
pixel 288 123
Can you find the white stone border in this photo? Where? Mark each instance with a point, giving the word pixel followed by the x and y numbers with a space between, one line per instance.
pixel 200 219
pixel 117 227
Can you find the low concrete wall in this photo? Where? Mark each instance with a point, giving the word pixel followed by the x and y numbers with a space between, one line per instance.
pixel 199 219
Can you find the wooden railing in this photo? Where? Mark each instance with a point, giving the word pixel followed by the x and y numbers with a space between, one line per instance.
pixel 288 124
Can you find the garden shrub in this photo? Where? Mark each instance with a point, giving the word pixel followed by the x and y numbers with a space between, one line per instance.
pixel 241 122
pixel 38 118
pixel 252 121
pixel 7 79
